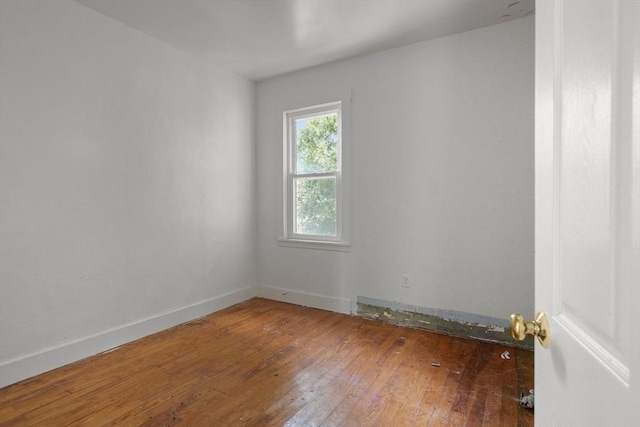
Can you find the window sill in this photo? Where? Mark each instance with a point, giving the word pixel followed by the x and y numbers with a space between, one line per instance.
pixel 315 244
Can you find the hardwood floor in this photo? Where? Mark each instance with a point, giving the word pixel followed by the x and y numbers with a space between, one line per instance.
pixel 266 363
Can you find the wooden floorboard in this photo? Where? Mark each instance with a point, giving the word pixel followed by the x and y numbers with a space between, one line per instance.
pixel 267 363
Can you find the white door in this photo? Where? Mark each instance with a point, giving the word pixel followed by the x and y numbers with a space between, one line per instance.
pixel 588 212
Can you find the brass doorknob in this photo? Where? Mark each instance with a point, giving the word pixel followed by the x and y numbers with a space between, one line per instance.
pixel 538 328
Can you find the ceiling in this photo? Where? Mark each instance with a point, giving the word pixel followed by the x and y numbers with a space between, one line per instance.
pixel 259 39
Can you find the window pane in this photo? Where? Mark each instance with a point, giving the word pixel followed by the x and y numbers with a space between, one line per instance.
pixel 317 144
pixel 316 206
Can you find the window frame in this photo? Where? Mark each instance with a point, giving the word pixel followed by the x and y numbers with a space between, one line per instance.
pixel 290 236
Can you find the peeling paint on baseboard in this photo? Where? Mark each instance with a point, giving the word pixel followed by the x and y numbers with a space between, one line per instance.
pixel 447 322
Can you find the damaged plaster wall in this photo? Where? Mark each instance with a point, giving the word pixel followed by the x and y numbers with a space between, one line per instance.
pixel 448 322
pixel 442 176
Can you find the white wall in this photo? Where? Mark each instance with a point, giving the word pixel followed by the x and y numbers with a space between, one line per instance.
pixel 127 186
pixel 442 175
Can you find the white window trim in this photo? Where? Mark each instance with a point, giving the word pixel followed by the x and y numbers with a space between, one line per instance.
pixel 340 242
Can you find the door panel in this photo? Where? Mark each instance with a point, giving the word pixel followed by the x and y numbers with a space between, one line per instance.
pixel 588 211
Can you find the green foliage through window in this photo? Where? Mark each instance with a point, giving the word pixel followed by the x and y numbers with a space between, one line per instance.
pixel 316 148
pixel 317 145
pixel 316 206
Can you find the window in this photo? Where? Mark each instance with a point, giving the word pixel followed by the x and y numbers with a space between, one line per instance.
pixel 313 210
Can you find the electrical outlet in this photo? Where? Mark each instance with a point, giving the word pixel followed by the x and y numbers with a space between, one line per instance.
pixel 405 282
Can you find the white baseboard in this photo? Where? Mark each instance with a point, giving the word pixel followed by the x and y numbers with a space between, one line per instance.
pixel 27 366
pixel 323 302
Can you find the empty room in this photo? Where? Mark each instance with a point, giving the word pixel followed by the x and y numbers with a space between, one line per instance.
pixel 319 212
